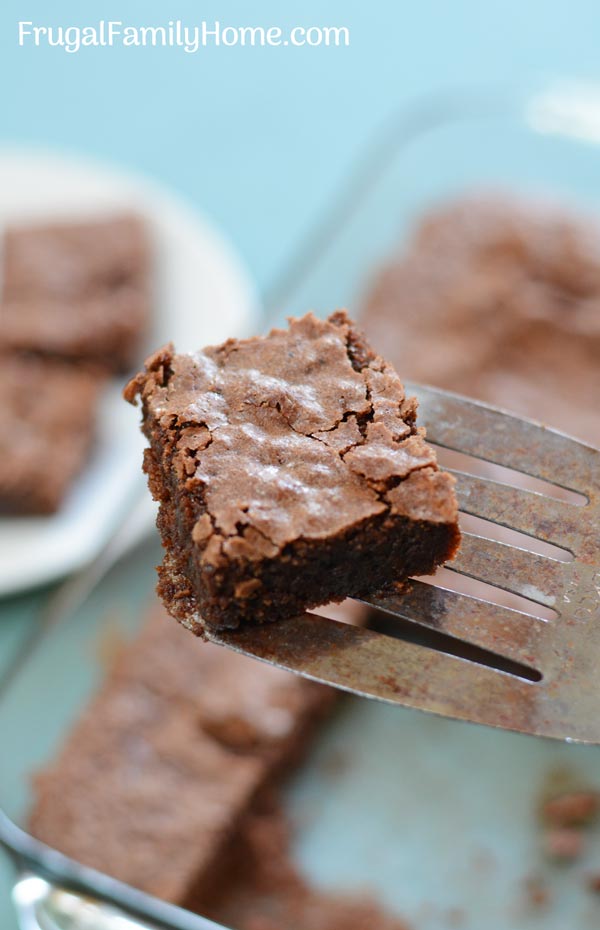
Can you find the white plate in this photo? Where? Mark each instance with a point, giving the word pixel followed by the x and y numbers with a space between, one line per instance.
pixel 202 295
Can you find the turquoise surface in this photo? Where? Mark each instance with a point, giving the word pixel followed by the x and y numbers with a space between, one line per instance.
pixel 261 139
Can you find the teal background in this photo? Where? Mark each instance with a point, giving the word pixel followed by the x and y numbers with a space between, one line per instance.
pixel 261 137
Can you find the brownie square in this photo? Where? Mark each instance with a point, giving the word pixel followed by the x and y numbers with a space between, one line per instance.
pixel 290 473
pixel 77 290
pixel 46 429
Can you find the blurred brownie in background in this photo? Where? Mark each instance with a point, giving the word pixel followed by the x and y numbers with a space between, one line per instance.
pixel 165 762
pixel 498 297
pixel 169 781
pixel 75 307
pixel 77 290
pixel 47 426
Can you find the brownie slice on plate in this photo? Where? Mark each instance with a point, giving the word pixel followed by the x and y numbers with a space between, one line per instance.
pixel 48 418
pixel 290 473
pixel 78 290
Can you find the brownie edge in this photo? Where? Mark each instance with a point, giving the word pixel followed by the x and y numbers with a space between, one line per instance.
pixel 290 473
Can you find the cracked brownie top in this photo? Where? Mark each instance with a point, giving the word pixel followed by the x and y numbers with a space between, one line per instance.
pixel 299 435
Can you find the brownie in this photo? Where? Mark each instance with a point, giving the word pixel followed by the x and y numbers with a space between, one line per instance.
pixel 47 426
pixel 290 473
pixel 77 290
pixel 154 780
pixel 498 297
pixel 171 780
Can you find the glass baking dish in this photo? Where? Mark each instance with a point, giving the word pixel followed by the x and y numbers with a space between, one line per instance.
pixel 437 818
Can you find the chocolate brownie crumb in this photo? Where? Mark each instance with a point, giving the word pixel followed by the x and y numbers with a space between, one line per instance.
pixel 266 891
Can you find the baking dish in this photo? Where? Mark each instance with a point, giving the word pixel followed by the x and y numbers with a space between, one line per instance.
pixel 437 817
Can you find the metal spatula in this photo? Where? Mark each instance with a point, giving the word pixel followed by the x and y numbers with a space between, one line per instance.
pixel 485 662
